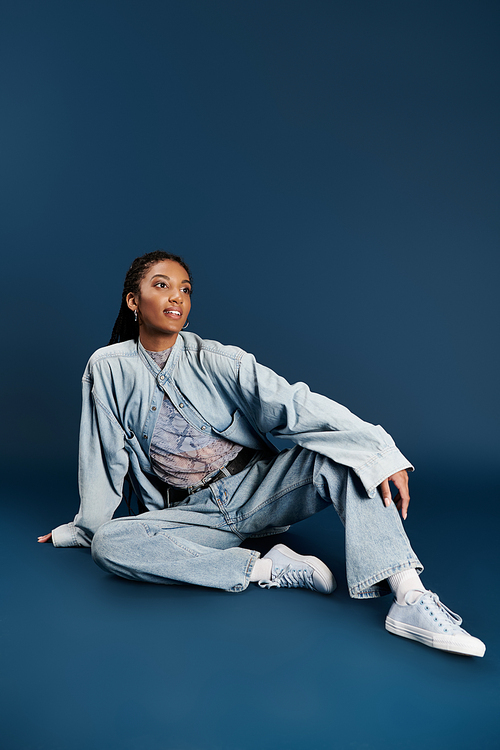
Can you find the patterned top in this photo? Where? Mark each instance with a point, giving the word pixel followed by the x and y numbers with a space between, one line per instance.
pixel 180 454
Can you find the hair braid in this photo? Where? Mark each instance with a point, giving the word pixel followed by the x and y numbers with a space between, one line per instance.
pixel 125 326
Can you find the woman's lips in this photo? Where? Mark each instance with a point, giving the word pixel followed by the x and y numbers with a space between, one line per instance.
pixel 175 314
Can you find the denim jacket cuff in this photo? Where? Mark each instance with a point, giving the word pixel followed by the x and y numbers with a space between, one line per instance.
pixel 383 465
pixel 66 536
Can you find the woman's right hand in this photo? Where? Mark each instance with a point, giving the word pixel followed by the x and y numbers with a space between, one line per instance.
pixel 45 538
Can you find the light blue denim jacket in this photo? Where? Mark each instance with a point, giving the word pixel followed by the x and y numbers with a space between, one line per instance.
pixel 217 388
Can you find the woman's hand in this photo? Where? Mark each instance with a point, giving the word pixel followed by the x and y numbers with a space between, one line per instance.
pixel 45 538
pixel 402 499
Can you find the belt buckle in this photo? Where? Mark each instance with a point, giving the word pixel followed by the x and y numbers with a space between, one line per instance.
pixel 198 486
pixel 207 480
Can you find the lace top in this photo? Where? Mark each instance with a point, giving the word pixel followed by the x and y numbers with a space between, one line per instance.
pixel 180 454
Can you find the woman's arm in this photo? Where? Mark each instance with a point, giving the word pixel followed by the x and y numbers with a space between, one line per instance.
pixel 103 465
pixel 315 422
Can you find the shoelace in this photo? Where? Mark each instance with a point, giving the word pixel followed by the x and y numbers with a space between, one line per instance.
pixel 439 612
pixel 290 577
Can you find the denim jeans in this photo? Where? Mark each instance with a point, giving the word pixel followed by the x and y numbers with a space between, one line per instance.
pixel 198 540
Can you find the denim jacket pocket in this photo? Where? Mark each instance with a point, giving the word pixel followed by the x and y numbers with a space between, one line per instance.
pixel 235 420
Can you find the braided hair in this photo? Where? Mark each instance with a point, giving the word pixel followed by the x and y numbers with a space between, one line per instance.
pixel 125 326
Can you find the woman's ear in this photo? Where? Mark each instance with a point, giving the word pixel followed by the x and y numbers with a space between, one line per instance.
pixel 131 301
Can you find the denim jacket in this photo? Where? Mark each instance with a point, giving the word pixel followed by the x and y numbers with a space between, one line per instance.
pixel 217 388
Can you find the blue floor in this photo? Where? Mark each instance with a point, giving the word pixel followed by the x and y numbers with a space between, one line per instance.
pixel 93 661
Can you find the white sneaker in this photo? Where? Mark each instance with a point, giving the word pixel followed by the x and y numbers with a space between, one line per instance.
pixel 425 619
pixel 290 570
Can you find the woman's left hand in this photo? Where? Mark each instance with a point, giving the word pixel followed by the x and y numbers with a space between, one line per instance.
pixel 402 499
pixel 45 538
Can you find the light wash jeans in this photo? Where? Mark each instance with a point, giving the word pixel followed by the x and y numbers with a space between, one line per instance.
pixel 197 541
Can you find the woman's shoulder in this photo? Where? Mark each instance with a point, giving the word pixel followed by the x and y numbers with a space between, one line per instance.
pixel 127 349
pixel 192 343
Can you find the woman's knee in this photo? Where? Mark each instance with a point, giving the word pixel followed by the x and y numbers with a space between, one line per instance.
pixel 107 539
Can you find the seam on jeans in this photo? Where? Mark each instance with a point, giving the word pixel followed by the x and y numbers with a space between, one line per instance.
pixel 252 559
pixel 225 514
pixel 392 509
pixel 181 546
pixel 171 538
pixel 275 497
pixel 146 528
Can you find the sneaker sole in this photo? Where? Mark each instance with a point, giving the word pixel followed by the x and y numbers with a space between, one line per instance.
pixel 435 640
pixel 324 573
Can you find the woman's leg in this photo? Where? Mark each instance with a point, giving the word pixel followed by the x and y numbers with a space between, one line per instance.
pixel 154 547
pixel 294 485
pixel 197 541
pixel 377 548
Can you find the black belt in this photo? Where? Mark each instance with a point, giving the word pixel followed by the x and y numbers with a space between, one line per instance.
pixel 236 465
pixel 176 495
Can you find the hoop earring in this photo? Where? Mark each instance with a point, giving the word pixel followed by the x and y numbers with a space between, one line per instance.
pixel 135 315
pixel 185 326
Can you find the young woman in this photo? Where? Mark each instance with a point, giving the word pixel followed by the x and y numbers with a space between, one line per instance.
pixel 186 420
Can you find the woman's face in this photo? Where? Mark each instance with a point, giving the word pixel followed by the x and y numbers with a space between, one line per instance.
pixel 163 304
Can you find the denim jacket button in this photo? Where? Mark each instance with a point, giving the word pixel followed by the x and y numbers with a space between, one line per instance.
pixel 145 437
pixel 181 406
pixel 153 408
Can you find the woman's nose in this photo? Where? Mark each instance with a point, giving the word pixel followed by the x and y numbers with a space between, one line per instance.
pixel 175 294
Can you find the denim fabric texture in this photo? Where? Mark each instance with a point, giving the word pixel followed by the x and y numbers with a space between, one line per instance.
pixel 195 541
pixel 223 390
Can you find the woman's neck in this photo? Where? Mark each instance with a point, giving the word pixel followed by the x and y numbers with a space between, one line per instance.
pixel 157 342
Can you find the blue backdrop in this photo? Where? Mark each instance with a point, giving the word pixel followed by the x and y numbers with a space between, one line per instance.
pixel 330 172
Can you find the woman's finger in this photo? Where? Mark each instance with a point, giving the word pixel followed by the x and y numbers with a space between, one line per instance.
pixel 386 493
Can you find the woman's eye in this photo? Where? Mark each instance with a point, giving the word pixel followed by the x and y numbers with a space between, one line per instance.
pixel 161 284
pixel 186 289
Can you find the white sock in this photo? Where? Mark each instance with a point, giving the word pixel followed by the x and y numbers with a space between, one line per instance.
pixel 401 583
pixel 261 570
